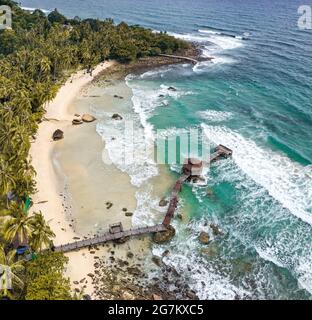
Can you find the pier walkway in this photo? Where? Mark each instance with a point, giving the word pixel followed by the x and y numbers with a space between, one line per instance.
pixel 192 168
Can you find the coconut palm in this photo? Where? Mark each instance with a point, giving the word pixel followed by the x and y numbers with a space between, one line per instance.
pixel 7 181
pixel 42 234
pixel 10 269
pixel 18 227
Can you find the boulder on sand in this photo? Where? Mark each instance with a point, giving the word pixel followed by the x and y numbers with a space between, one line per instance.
pixel 88 118
pixel 116 116
pixel 76 122
pixel 58 135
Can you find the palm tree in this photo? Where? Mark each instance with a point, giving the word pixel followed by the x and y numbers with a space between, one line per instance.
pixel 10 270
pixel 41 232
pixel 18 226
pixel 7 181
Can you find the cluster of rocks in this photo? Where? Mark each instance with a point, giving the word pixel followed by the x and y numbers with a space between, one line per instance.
pixel 59 134
pixel 84 118
pixel 127 213
pixel 118 279
pixel 204 237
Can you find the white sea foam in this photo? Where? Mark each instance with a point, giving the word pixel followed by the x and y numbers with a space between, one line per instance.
pixel 214 42
pixel 147 208
pixel 140 165
pixel 286 181
pixel 304 273
pixel 208 31
pixel 159 72
pixel 214 115
pixel 201 275
pixel 145 100
pixel 267 255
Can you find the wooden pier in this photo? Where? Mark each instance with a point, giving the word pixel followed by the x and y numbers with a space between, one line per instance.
pixel 107 237
pixel 192 168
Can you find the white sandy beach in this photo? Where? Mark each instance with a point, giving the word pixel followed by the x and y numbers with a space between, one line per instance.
pixel 48 186
pixel 74 184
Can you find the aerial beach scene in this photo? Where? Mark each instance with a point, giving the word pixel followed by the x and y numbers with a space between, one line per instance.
pixel 155 150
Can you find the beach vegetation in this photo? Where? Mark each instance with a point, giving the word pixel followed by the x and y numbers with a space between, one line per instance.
pixel 44 279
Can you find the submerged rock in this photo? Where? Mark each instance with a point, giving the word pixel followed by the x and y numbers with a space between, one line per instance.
pixel 163 203
pixel 210 251
pixel 58 135
pixel 216 230
pixel 204 237
pixel 209 192
pixel 88 118
pixel 166 253
pixel 164 236
pixel 192 295
pixel 158 261
pixel 172 89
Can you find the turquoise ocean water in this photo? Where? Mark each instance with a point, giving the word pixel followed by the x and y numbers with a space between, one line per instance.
pixel 254 98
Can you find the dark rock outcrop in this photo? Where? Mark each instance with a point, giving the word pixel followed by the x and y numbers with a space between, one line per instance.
pixel 58 135
pixel 216 230
pixel 164 236
pixel 117 116
pixel 158 261
pixel 204 237
pixel 172 89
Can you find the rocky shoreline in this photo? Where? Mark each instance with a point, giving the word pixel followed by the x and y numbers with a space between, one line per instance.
pixel 124 279
pixel 119 71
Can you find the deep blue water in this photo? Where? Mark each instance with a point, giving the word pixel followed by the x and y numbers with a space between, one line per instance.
pixel 255 98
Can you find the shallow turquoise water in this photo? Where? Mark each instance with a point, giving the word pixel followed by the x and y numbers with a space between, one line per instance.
pixel 256 99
